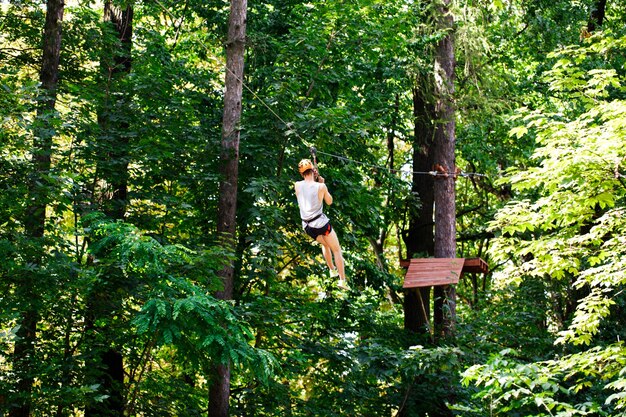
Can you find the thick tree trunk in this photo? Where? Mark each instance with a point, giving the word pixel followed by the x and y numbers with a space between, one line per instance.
pixel 112 168
pixel 444 160
pixel 35 219
pixel 419 238
pixel 219 392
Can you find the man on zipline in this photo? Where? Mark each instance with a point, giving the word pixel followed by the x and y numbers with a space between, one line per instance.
pixel 311 196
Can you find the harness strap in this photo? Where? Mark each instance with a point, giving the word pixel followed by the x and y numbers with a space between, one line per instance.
pixel 307 221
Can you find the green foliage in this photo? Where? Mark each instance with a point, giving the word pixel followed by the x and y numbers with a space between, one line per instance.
pixel 339 76
pixel 571 385
pixel 171 309
pixel 565 226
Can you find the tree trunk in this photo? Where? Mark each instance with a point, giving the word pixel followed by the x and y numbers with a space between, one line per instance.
pixel 35 219
pixel 219 392
pixel 419 238
pixel 113 143
pixel 596 17
pixel 112 169
pixel 444 159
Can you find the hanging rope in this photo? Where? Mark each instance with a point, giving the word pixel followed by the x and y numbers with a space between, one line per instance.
pixel 437 173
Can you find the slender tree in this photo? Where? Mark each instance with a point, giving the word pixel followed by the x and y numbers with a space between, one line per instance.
pixel 444 160
pixel 112 170
pixel 38 196
pixel 113 116
pixel 219 392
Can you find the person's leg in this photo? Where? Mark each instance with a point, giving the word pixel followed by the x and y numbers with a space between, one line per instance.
pixel 332 241
pixel 326 252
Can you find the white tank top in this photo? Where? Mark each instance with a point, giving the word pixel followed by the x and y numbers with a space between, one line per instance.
pixel 310 203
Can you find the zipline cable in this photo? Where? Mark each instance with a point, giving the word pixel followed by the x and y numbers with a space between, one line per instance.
pixel 343 158
pixel 403 171
pixel 313 149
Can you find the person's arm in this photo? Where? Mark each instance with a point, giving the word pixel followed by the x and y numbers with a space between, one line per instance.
pixel 327 197
pixel 325 194
pixel 295 186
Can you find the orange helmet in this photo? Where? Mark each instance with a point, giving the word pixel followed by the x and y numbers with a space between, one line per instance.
pixel 305 165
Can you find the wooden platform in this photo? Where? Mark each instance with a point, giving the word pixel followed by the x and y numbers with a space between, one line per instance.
pixel 475 265
pixel 427 272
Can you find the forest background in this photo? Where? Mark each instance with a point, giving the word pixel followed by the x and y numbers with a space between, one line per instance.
pixel 110 286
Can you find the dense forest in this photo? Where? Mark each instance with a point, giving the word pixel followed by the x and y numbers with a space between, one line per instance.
pixel 153 261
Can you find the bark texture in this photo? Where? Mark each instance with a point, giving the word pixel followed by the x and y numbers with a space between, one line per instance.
pixel 219 392
pixel 444 160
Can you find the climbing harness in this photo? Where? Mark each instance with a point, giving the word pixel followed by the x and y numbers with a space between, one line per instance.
pixel 312 219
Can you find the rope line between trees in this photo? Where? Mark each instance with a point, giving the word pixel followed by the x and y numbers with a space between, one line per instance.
pixel 343 158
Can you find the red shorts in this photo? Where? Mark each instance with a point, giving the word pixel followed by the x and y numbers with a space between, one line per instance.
pixel 314 232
